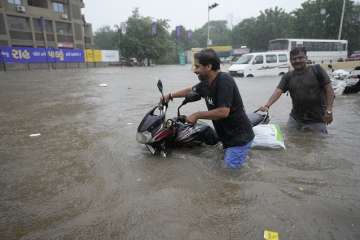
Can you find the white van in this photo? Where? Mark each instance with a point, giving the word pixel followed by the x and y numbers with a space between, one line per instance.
pixel 261 64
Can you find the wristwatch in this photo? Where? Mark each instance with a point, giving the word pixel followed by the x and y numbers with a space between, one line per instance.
pixel 329 112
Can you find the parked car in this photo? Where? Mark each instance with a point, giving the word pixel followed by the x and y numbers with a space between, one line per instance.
pixel 355 56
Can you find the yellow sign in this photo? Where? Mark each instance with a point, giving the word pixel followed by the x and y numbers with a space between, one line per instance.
pixel 221 48
pixel 269 235
pixel 92 55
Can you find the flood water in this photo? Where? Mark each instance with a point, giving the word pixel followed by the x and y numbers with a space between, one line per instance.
pixel 86 177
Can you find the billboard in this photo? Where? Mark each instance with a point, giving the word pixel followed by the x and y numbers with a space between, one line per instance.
pixel 40 55
pixel 110 56
pixel 92 55
pixel 11 55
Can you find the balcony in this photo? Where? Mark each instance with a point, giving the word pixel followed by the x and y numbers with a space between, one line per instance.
pixel 65 38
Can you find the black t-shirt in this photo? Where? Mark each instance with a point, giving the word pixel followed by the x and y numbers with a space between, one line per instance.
pixel 307 93
pixel 235 130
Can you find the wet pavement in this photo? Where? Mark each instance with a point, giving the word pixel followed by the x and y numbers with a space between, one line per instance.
pixel 86 177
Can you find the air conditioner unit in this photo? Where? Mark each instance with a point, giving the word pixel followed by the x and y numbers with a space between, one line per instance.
pixel 20 8
pixel 64 16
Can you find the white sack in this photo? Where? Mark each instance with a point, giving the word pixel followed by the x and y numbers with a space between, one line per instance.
pixel 268 136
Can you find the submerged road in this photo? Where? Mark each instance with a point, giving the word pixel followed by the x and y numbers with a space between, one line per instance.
pixel 86 177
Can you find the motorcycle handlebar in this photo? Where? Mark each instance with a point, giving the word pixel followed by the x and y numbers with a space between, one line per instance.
pixel 182 118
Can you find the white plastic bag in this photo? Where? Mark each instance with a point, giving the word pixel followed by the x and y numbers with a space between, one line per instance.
pixel 268 136
pixel 338 86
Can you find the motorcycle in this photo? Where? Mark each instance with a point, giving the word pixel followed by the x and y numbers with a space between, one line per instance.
pixel 159 134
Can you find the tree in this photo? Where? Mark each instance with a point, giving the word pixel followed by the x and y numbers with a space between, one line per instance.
pixel 220 34
pixel 310 23
pixel 105 38
pixel 256 32
pixel 142 41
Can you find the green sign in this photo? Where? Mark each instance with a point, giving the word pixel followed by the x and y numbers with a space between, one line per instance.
pixel 182 58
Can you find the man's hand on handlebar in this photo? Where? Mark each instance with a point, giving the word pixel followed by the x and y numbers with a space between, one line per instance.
pixel 192 119
pixel 166 98
pixel 264 108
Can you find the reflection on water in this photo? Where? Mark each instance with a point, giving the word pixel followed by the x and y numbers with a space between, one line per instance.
pixel 87 178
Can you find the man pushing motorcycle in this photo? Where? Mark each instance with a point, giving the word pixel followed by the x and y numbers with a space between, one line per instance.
pixel 225 107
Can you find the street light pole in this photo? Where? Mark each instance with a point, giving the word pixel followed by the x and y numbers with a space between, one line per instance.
pixel 214 5
pixel 208 27
pixel 342 19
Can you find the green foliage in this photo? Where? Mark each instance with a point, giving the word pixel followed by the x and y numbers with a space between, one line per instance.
pixel 256 32
pixel 219 34
pixel 308 21
pixel 105 38
pixel 141 43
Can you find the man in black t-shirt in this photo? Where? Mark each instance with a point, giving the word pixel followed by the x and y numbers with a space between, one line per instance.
pixel 311 93
pixel 225 107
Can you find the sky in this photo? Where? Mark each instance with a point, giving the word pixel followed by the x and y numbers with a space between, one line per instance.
pixel 192 14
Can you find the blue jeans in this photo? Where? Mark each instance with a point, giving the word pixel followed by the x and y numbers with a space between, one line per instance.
pixel 235 156
pixel 313 127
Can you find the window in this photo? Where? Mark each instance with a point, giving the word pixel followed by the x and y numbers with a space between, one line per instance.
pixel 293 44
pixel 259 59
pixel 39 25
pixel 2 24
pixel 279 45
pixel 18 23
pixel 58 7
pixel 271 58
pixel 15 2
pixel 49 26
pixel 63 28
pixel 283 58
pixel 38 3
pixel 244 59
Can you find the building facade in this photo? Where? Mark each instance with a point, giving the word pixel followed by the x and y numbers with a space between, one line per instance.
pixel 44 23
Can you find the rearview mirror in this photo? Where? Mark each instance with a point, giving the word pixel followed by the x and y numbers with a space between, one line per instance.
pixel 160 86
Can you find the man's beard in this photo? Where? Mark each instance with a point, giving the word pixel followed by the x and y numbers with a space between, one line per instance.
pixel 202 78
pixel 299 66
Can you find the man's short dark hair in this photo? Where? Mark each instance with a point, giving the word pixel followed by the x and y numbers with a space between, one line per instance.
pixel 297 51
pixel 208 56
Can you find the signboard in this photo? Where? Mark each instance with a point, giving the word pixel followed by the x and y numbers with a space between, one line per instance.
pixel 240 51
pixel 52 55
pixel 40 55
pixel 110 56
pixel 182 58
pixel 92 55
pixel 65 45
pixel 221 48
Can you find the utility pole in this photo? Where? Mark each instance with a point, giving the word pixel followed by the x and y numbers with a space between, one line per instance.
pixel 342 19
pixel 208 27
pixel 214 5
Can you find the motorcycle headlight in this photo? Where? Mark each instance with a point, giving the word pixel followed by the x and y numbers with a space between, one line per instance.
pixel 143 137
pixel 169 123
